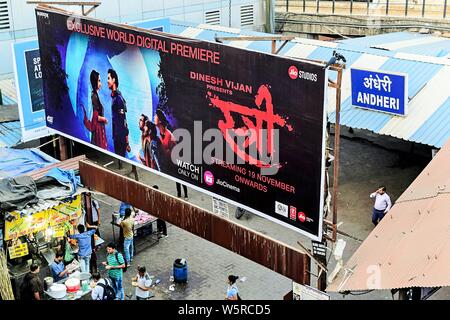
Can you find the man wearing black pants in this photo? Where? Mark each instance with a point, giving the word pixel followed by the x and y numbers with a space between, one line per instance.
pixel 161 224
pixel 179 190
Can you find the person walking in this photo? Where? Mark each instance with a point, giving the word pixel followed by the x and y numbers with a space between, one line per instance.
pixel 96 212
pixel 142 282
pixel 179 191
pixel 115 263
pixel 127 225
pixel 32 287
pixel 95 221
pixel 232 290
pixel 382 204
pixel 84 245
pixel 160 223
pixel 101 288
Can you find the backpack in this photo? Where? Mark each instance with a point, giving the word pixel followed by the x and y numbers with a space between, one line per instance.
pixel 117 258
pixel 108 291
pixel 25 289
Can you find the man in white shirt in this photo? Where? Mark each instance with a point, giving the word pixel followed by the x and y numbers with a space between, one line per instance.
pixel 142 282
pixel 382 204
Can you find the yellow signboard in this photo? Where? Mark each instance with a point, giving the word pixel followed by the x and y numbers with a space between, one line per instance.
pixel 26 225
pixel 65 212
pixel 42 220
pixel 18 251
pixel 58 231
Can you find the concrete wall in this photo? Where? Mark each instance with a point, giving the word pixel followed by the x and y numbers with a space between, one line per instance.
pixel 23 21
pixel 313 25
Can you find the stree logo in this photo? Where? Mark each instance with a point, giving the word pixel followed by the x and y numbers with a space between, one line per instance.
pixel 294 73
pixel 209 178
pixel 293 213
pixel 281 208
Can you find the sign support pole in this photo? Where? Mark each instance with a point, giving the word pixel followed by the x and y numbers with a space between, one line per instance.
pixel 322 281
pixel 62 148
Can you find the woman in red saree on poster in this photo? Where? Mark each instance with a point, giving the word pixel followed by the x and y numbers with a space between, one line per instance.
pixel 165 135
pixel 97 124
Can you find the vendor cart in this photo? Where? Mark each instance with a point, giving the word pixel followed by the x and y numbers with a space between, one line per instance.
pixel 145 233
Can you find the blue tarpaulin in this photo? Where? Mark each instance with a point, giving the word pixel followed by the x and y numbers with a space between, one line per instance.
pixel 15 162
pixel 65 178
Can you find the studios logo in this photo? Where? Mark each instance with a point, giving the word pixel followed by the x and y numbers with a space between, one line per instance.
pixel 294 73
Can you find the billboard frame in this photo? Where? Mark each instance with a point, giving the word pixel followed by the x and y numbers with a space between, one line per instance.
pixel 318 236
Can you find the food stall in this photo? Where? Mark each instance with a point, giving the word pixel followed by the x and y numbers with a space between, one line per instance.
pixel 35 233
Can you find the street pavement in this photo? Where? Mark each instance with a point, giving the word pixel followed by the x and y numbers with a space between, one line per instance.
pixel 365 164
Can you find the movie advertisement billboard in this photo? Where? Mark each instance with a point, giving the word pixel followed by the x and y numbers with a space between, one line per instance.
pixel 30 98
pixel 245 127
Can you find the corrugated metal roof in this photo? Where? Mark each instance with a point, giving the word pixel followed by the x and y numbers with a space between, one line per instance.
pixel 8 89
pixel 436 129
pixel 406 42
pixel 384 38
pixel 69 164
pixel 425 76
pixel 410 247
pixel 423 72
pixel 10 133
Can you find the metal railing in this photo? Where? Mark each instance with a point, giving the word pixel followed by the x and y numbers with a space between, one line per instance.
pixel 437 9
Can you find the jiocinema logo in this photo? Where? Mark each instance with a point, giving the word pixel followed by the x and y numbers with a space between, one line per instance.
pixel 254 148
pixel 208 177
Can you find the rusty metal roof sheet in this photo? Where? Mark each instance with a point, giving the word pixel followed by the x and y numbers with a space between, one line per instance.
pixel 69 164
pixel 410 247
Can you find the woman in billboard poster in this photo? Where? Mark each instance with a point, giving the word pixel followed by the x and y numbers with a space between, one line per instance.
pixel 165 135
pixel 151 146
pixel 97 124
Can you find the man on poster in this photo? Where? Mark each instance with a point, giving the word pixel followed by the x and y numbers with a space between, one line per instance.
pixel 119 118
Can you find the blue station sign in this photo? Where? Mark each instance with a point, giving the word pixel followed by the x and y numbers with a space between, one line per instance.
pixel 380 91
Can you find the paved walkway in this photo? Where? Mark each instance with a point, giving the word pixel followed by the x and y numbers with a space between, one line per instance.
pixel 364 166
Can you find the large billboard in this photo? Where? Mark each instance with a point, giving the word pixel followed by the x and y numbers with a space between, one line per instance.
pixel 30 98
pixel 243 126
pixel 28 76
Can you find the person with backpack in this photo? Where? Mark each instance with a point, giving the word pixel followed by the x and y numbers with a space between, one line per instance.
pixel 32 287
pixel 116 266
pixel 232 290
pixel 102 289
